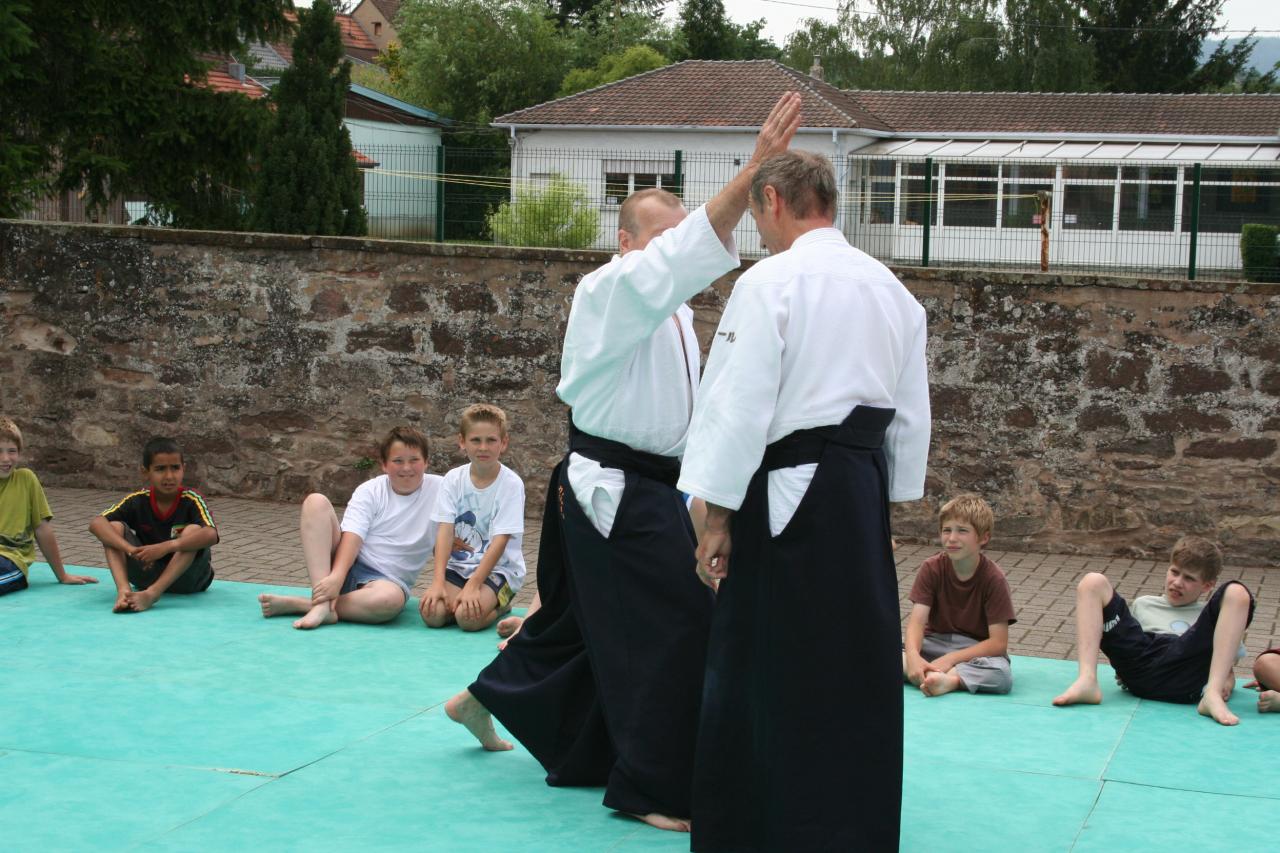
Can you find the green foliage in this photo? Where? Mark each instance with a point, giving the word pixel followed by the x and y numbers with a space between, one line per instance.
pixel 1260 252
pixel 615 66
pixel 1154 45
pixel 100 95
pixel 472 60
pixel 709 34
pixel 559 214
pixel 309 183
pixel 1043 50
pixel 840 62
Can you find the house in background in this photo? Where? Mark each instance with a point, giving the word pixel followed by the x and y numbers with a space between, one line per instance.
pixel 1120 171
pixel 377 19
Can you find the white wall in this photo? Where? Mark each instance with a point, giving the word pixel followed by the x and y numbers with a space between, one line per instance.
pixel 400 195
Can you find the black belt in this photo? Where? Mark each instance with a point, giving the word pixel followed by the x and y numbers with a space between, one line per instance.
pixel 863 429
pixel 615 454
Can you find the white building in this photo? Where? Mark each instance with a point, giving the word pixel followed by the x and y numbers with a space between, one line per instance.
pixel 1119 170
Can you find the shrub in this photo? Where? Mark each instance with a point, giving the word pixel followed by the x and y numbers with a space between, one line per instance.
pixel 557 214
pixel 1258 250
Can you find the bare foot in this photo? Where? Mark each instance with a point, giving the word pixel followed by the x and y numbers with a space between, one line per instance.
pixel 1083 691
pixel 122 603
pixel 141 600
pixel 661 821
pixel 321 614
pixel 281 605
pixel 1268 700
pixel 1211 705
pixel 1228 687
pixel 508 626
pixel 938 683
pixel 466 709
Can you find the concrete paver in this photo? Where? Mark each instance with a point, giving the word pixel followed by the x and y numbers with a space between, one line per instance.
pixel 260 545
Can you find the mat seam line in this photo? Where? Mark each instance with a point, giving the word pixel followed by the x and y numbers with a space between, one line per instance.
pixel 1102 777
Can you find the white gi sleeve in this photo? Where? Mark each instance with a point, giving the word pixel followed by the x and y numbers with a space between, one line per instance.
pixel 737 397
pixel 907 439
pixel 621 304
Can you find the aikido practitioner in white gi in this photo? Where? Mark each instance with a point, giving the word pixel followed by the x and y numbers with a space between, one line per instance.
pixel 812 416
pixel 603 683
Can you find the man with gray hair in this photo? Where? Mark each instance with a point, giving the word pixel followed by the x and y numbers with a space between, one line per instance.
pixel 813 416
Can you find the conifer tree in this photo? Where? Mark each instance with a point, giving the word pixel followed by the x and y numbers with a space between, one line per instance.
pixel 309 183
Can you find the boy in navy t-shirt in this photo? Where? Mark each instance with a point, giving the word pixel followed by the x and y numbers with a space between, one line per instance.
pixel 157 539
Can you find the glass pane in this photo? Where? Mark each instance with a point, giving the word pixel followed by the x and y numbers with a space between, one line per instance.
pixel 1088 207
pixel 877 202
pixel 1021 207
pixel 1089 173
pixel 1149 173
pixel 916 170
pixel 884 168
pixel 913 198
pixel 1026 172
pixel 669 184
pixel 1239 176
pixel 971 203
pixel 1147 207
pixel 615 187
pixel 971 170
pixel 1225 208
pixel 646 180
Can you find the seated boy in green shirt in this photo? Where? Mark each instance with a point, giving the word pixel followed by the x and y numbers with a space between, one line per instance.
pixel 25 519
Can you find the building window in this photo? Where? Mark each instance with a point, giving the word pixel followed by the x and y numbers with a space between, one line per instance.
pixel 1019 206
pixel 1232 198
pixel 970 196
pixel 623 177
pixel 1148 195
pixel 877 189
pixel 377 28
pixel 913 195
pixel 1088 197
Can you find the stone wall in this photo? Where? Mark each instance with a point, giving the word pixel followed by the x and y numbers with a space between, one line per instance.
pixel 1098 415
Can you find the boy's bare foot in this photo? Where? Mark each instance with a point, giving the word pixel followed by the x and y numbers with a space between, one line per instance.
pixel 141 600
pixel 938 683
pixel 661 821
pixel 282 605
pixel 122 603
pixel 1212 705
pixel 1083 691
pixel 508 626
pixel 466 709
pixel 321 614
pixel 1268 701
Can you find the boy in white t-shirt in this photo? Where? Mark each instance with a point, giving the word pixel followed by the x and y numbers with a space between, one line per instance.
pixel 479 566
pixel 363 569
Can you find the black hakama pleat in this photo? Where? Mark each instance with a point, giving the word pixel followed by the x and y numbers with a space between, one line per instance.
pixel 800 743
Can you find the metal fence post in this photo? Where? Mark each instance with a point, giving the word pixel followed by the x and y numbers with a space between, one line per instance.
pixel 679 187
pixel 440 193
pixel 928 210
pixel 1195 221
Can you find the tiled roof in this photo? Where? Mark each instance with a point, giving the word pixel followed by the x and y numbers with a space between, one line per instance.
pixel 266 56
pixel 1092 113
pixel 388 8
pixel 219 79
pixel 355 42
pixel 363 160
pixel 702 93
pixel 740 94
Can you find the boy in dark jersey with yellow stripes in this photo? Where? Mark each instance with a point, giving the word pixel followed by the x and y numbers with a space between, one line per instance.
pixel 157 539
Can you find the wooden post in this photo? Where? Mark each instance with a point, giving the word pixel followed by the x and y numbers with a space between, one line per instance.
pixel 1045 203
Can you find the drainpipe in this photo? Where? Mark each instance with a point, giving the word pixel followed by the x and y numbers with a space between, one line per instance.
pixel 842 176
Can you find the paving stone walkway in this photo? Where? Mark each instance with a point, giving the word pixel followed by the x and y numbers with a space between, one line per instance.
pixel 260 545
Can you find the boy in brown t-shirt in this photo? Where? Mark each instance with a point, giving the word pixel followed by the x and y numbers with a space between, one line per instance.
pixel 958 630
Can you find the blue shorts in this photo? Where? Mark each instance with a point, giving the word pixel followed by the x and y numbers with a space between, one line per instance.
pixel 361 575
pixel 12 578
pixel 495 582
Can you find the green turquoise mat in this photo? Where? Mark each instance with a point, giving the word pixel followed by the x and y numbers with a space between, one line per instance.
pixel 200 725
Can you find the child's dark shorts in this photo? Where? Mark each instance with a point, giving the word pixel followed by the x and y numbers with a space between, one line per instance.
pixel 1165 667
pixel 496 582
pixel 197 577
pixel 1266 686
pixel 12 578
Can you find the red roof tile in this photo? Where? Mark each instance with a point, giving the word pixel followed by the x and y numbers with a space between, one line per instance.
pixel 740 94
pixel 363 160
pixel 388 8
pixel 702 93
pixel 219 79
pixel 355 42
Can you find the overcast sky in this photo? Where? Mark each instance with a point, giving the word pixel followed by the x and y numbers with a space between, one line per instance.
pixel 784 16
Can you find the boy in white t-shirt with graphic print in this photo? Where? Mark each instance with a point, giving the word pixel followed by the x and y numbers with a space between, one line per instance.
pixel 479 566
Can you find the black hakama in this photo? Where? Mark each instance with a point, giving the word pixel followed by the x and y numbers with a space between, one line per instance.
pixel 603 684
pixel 800 744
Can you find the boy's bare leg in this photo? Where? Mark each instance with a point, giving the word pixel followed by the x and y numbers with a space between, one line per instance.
pixel 117 562
pixel 1233 617
pixel 1092 596
pixel 511 625
pixel 661 821
pixel 488 612
pixel 375 602
pixel 320 533
pixel 179 562
pixel 466 709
